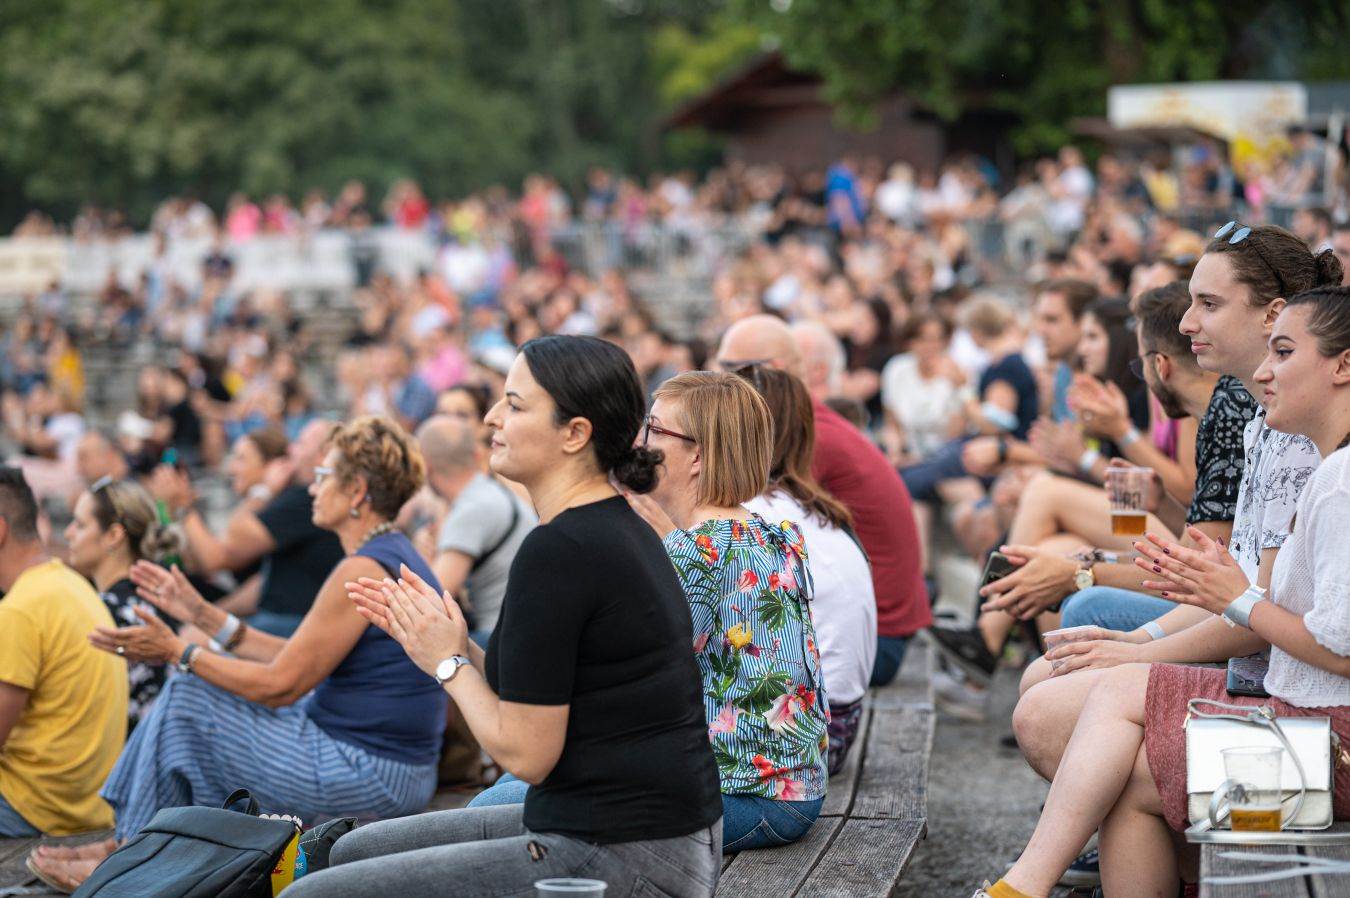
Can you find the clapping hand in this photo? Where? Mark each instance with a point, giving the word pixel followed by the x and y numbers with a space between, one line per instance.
pixel 168 590
pixel 152 643
pixel 1207 576
pixel 1102 407
pixel 430 627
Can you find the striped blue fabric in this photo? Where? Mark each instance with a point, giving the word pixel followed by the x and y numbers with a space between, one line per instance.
pixel 199 743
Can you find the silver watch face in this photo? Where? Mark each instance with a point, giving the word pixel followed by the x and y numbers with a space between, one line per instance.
pixel 446 669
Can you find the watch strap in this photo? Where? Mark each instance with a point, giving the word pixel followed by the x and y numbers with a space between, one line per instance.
pixel 189 655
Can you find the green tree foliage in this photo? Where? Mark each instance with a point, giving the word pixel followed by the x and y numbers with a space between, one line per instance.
pixel 121 102
pixel 1044 61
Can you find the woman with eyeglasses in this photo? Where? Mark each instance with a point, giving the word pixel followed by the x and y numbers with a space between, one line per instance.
pixel 114 525
pixel 334 721
pixel 749 589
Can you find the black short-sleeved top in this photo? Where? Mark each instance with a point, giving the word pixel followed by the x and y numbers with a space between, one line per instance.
pixel 594 617
pixel 1013 370
pixel 304 557
pixel 1219 452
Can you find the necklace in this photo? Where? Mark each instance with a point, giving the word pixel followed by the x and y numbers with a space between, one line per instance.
pixel 377 530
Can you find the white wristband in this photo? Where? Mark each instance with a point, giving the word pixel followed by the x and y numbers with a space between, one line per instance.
pixel 1131 437
pixel 227 630
pixel 1238 613
pixel 1087 460
pixel 261 492
pixel 1153 630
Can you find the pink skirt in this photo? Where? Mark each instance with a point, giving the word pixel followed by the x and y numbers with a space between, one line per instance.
pixel 1170 687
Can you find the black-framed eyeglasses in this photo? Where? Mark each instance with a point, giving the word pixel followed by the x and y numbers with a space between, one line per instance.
pixel 1239 233
pixel 648 428
pixel 1137 364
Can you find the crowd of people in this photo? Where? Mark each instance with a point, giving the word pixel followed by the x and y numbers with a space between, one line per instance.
pixel 511 530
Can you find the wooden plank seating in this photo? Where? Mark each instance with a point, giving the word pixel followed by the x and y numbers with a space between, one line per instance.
pixel 875 813
pixel 1211 864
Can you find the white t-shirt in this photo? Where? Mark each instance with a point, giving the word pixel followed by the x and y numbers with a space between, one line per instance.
pixel 924 408
pixel 1276 466
pixel 1311 577
pixel 844 609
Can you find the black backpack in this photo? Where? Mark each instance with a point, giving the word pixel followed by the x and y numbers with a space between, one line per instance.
pixel 195 853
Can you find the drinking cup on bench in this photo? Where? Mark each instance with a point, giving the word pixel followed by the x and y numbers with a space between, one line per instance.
pixel 552 888
pixel 1254 787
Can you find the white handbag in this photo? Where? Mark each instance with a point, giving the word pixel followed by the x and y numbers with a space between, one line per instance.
pixel 1310 746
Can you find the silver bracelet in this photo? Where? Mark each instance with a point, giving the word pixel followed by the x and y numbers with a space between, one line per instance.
pixel 227 630
pixel 1239 611
pixel 1131 437
pixel 1154 630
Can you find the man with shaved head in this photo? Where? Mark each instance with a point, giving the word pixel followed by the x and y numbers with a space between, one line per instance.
pixel 485 525
pixel 856 473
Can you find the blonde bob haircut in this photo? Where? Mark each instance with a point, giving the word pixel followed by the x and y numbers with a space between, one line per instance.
pixel 731 424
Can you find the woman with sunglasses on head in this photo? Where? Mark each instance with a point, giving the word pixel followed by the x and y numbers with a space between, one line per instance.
pixel 114 525
pixel 748 587
pixel 587 690
pixel 334 721
pixel 1125 767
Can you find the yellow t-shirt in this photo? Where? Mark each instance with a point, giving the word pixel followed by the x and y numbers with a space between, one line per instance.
pixel 69 736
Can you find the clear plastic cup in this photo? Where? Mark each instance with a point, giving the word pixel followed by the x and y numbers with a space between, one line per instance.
pixel 1127 488
pixel 1068 634
pixel 1254 801
pixel 547 888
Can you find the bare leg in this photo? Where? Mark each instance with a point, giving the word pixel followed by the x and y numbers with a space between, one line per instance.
pixel 1052 504
pixel 1093 774
pixel 1045 717
pixel 923 522
pixel 1139 856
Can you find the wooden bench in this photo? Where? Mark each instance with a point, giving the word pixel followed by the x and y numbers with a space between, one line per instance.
pixel 876 810
pixel 1212 864
pixel 874 816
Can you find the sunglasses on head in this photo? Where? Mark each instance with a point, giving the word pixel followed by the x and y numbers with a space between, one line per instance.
pixel 1236 233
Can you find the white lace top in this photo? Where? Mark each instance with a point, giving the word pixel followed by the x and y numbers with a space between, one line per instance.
pixel 1311 577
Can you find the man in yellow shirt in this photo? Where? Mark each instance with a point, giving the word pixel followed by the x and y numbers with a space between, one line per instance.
pixel 63 703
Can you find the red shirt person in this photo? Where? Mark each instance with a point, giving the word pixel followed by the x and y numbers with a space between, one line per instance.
pixel 856 473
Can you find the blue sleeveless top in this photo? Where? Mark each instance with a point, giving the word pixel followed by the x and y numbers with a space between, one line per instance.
pixel 377 699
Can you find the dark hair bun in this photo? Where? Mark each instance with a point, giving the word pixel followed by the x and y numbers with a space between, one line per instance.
pixel 638 470
pixel 1329 269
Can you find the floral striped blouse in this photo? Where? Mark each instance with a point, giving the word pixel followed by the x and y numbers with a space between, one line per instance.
pixel 749 585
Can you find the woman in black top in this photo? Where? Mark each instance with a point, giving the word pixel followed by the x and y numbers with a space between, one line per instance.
pixel 114 525
pixel 588 689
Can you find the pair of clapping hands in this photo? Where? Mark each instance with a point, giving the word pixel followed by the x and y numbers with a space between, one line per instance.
pixel 1206 576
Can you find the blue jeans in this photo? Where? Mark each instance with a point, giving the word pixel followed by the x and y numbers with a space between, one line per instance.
pixel 748 821
pixel 890 655
pixel 12 824
pixel 1112 608
pixel 922 477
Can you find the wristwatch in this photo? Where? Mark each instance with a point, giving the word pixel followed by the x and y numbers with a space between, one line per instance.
pixel 1238 612
pixel 446 670
pixel 189 655
pixel 1083 578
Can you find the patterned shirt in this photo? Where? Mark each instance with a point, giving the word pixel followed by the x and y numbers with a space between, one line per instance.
pixel 748 586
pixel 1276 469
pixel 1218 452
pixel 145 679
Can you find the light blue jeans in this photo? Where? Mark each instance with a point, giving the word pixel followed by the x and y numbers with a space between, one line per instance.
pixel 1112 608
pixel 12 824
pixel 748 821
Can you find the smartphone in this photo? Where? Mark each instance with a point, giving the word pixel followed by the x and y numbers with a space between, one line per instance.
pixel 1247 676
pixel 996 568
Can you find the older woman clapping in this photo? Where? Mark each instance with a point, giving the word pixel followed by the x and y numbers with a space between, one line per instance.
pixel 334 721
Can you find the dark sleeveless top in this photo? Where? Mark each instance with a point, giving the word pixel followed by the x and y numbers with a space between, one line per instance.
pixel 377 699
